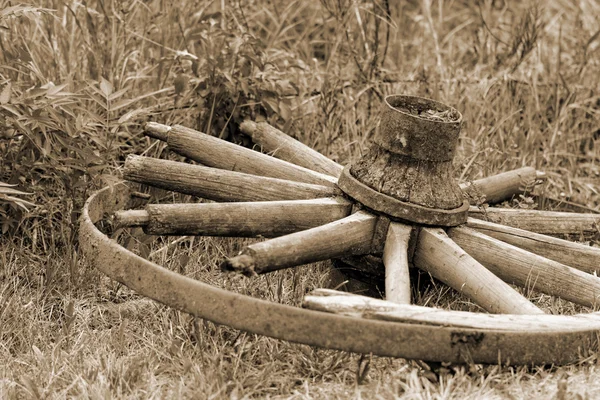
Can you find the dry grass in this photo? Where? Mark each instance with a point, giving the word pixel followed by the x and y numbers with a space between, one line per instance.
pixel 525 75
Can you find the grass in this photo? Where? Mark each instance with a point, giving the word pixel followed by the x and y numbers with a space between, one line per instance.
pixel 523 74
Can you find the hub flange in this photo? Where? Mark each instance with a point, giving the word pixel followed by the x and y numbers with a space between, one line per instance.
pixel 407 172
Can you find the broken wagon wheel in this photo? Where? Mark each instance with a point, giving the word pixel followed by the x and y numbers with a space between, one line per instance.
pixel 397 204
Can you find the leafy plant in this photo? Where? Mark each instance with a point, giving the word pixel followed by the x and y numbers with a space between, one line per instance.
pixel 10 204
pixel 57 139
pixel 234 76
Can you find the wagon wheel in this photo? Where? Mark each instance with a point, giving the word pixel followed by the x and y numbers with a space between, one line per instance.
pixel 398 205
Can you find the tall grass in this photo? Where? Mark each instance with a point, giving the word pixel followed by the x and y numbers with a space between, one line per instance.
pixel 78 80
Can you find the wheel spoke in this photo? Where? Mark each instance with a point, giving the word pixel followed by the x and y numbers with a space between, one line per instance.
pixel 546 222
pixel 282 146
pixel 437 254
pixel 351 235
pixel 526 269
pixel 359 335
pixel 251 219
pixel 216 184
pixel 503 186
pixel 576 255
pixel 395 259
pixel 218 153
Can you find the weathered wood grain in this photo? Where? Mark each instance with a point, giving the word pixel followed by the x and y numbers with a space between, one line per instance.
pixel 132 218
pixel 246 219
pixel 395 259
pixel 347 236
pixel 503 186
pixel 282 146
pixel 546 222
pixel 576 255
pixel 219 185
pixel 426 183
pixel 523 268
pixel 437 254
pixel 218 153
pixel 344 303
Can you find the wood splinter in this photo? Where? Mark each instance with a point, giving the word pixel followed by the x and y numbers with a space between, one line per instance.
pixel 344 303
pixel 243 264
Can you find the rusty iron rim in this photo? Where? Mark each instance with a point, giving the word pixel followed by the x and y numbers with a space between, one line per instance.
pixel 393 339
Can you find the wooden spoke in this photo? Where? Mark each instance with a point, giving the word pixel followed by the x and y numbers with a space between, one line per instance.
pixel 526 269
pixel 576 255
pixel 218 153
pixel 500 187
pixel 345 303
pixel 348 236
pixel 132 218
pixel 282 146
pixel 219 185
pixel 437 254
pixel 266 219
pixel 546 222
pixel 157 131
pixel 395 259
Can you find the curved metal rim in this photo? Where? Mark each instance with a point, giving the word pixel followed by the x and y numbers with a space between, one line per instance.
pixel 405 340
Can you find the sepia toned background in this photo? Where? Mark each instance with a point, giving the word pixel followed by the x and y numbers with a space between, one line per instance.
pixel 78 80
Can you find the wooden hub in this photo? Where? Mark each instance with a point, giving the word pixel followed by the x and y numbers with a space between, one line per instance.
pixel 407 172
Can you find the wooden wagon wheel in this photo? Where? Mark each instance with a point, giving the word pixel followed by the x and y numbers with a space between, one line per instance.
pixel 398 205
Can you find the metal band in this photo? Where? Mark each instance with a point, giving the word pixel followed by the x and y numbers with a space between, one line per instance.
pixel 420 138
pixel 398 209
pixel 406 340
